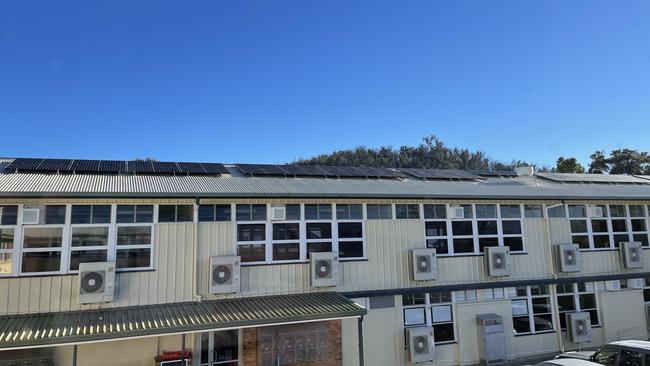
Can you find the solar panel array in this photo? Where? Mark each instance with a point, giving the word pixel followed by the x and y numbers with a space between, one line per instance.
pixel 317 171
pixel 441 174
pixel 593 178
pixel 495 173
pixel 25 165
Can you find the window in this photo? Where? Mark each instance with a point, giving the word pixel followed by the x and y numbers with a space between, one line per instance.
pixel 349 212
pixel 42 243
pixel 556 211
pixel 410 211
pixel 319 237
pixel 646 290
pixel 606 356
pixel 134 237
pixel 286 236
pixel 436 228
pixel 462 231
pixel 214 213
pixel 487 226
pixel 91 214
pixel 251 213
pixel 89 230
pixel 251 242
pixel 379 212
pixel 531 309
pixel 7 248
pixel 218 348
pixel 318 212
pixel 435 310
pixel 175 213
pixel 8 215
pixel 630 358
pixel 294 344
pixel 572 297
pixel 511 227
pixel 534 211
pixel 606 226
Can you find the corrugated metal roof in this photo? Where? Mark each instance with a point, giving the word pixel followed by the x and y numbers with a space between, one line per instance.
pixel 33 330
pixel 61 185
pixel 592 178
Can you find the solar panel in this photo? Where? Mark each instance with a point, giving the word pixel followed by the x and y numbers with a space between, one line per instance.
pixel 112 166
pixel 55 165
pixel 301 170
pixel 251 169
pixel 592 178
pixel 191 168
pixel 382 172
pixel 165 167
pixel 214 168
pixel 337 171
pixel 272 169
pixel 138 166
pixel 442 174
pixel 495 173
pixel 24 165
pixel 85 166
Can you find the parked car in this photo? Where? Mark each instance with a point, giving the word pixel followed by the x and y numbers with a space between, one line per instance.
pixel 567 362
pixel 621 353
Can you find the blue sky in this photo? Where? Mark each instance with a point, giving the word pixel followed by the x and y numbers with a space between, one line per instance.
pixel 271 81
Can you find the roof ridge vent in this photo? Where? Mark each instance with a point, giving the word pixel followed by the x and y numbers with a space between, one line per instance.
pixel 525 171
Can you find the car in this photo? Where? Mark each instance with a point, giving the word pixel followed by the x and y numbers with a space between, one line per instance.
pixel 567 362
pixel 621 353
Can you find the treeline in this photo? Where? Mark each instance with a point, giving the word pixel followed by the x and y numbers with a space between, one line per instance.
pixel 433 154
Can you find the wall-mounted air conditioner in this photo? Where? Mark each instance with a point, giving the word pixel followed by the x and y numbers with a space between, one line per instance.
pixel 424 264
pixel 497 261
pixel 596 211
pixel 324 268
pixel 224 274
pixel 631 254
pixel 568 258
pixel 456 212
pixel 96 282
pixel 578 327
pixel 278 213
pixel 420 344
pixel 31 216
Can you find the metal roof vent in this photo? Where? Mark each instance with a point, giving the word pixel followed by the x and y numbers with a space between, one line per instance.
pixel 525 171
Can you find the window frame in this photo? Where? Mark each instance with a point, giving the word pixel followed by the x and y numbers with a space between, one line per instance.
pixel 211 335
pixel 576 293
pixel 530 310
pixel 608 218
pixel 428 307
pixel 16 256
pixel 111 243
pixel 62 250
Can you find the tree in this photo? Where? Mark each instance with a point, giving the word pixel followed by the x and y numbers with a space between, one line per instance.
pixel 568 165
pixel 626 161
pixel 599 164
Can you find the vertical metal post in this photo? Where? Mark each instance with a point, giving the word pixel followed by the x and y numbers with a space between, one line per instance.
pixel 74 355
pixel 360 333
pixel 183 350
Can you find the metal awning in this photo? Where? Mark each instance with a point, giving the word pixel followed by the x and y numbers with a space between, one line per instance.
pixel 35 330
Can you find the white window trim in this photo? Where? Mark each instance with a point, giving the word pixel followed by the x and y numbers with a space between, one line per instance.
pixel 530 311
pixel 63 249
pixel 428 315
pixel 15 250
pixel 610 231
pixel 576 300
pixel 150 246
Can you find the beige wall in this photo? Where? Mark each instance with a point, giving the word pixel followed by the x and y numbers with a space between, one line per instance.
pixel 171 281
pixel 623 315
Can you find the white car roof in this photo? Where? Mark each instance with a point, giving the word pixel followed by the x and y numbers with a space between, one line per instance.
pixel 569 362
pixel 644 345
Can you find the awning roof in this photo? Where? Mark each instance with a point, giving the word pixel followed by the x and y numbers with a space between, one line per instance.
pixel 34 330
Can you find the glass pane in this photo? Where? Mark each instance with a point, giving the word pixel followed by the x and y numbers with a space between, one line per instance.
pixel 464 245
pixel 461 228
pixel 543 322
pixel 578 226
pixel 184 213
pixel 566 303
pixel 319 230
pixel 205 350
pixel 6 239
pixel 413 299
pixel 42 237
pixel 441 245
pixel 541 305
pixel 318 247
pixel 125 214
pixel 516 243
pixel 244 213
pixel 601 241
pixel 441 314
pixel 143 213
pixel 486 211
pixel 435 212
pixel 435 228
pixel 443 332
pixel 259 212
pixel 630 358
pixel 533 211
pixel 510 211
pixel 487 242
pixel 226 346
pixel 222 212
pixel 292 212
pixel 577 211
pixel 467 209
pixel 617 211
pixel 342 212
pixel 619 225
pixel 8 214
pixel 487 227
pixel 556 211
pixel 133 258
pixel 642 238
pixel 286 252
pixel 519 307
pixel 55 214
pixel 599 226
pixel 101 214
pixel 401 212
pixel 637 211
pixel 372 212
pixel 638 225
pixel 133 235
pixel 6 263
pixel 413 211
pixel 414 316
pixel 89 236
pixel 351 249
pixel 385 212
pixel 587 301
pixel 324 212
pixel 581 240
pixel 311 212
pixel 539 290
pixel 206 213
pixel 606 356
pixel 86 256
pixel 618 239
pixel 350 230
pixel 521 325
pixel 511 227
pixel 81 214
pixel 356 212
pixel 252 252
pixel 440 297
pixel 286 231
pixel 41 262
pixel 251 232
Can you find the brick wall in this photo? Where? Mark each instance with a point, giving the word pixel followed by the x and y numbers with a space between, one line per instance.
pixel 250 351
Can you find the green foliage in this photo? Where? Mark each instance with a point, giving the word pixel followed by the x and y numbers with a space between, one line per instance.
pixel 620 161
pixel 430 154
pixel 568 165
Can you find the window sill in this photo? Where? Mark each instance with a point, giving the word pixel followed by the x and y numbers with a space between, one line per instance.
pixel 474 255
pixel 534 334
pixel 300 262
pixel 27 275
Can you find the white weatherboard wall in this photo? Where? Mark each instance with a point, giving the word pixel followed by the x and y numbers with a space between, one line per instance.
pixel 171 281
